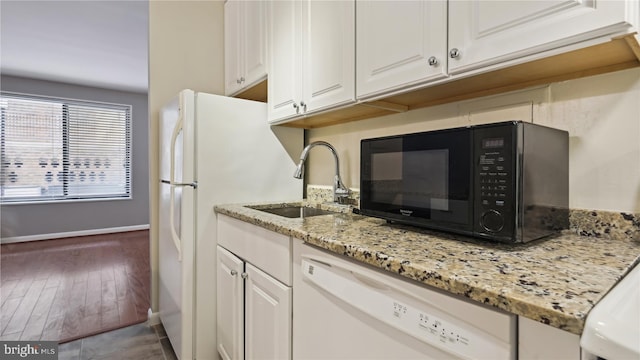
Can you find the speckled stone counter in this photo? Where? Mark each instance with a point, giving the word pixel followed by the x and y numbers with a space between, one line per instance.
pixel 555 281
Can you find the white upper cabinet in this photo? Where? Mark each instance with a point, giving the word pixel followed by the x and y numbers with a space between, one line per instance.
pixel 232 47
pixel 312 57
pixel 399 43
pixel 388 56
pixel 328 54
pixel 484 33
pixel 285 59
pixel 245 41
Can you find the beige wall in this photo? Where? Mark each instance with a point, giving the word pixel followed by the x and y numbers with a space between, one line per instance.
pixel 601 113
pixel 185 51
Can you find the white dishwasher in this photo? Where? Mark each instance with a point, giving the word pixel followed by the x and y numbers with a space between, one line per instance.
pixel 346 310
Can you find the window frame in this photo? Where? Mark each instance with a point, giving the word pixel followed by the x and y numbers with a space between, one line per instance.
pixel 65 102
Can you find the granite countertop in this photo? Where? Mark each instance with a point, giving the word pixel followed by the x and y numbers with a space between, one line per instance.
pixel 556 280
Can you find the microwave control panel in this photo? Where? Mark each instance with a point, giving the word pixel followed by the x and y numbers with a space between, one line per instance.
pixel 493 180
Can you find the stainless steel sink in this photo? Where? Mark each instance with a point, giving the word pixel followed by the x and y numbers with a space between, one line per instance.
pixel 295 211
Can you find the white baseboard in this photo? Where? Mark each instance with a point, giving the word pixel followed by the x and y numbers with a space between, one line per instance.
pixel 15 239
pixel 153 318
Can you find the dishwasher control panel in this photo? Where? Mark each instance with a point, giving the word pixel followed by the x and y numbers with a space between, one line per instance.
pixel 431 326
pixel 405 312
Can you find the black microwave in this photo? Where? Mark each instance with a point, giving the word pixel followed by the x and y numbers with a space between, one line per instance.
pixel 505 182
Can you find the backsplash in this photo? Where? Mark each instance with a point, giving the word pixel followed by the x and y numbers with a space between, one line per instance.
pixel 592 223
pixel 318 194
pixel 599 112
pixel 605 224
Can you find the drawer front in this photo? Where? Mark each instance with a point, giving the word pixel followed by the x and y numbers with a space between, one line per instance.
pixel 265 249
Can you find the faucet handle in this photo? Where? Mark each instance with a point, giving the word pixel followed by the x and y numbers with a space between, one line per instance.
pixel 342 199
pixel 341 194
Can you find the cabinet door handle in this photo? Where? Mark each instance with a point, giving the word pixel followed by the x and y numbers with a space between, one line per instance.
pixel 238 81
pixel 233 273
pixel 304 106
pixel 454 53
pixel 242 79
pixel 297 107
pixel 433 61
pixel 244 275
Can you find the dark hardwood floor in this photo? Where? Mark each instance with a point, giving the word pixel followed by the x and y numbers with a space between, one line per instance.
pixel 66 289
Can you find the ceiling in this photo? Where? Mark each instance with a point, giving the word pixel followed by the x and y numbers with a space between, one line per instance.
pixel 95 43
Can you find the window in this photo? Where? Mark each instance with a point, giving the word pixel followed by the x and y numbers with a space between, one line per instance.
pixel 57 149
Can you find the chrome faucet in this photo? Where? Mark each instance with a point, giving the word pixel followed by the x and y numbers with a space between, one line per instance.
pixel 340 192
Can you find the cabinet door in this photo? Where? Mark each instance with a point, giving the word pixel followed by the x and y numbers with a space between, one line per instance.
pixel 396 41
pixel 490 32
pixel 230 295
pixel 328 54
pixel 284 59
pixel 232 46
pixel 540 341
pixel 255 42
pixel 268 316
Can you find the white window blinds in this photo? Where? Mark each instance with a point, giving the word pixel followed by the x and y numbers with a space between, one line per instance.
pixel 53 149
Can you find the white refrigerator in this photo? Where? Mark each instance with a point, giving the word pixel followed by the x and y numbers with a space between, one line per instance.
pixel 213 150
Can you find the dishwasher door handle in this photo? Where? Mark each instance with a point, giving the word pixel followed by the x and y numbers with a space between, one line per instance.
pixel 370 282
pixel 343 272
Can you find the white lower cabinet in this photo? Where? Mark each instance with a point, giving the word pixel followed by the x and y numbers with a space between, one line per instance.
pixel 267 316
pixel 254 311
pixel 254 294
pixel 230 296
pixel 540 341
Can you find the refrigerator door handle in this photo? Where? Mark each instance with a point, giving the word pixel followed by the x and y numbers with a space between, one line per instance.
pixel 174 235
pixel 174 139
pixel 192 184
